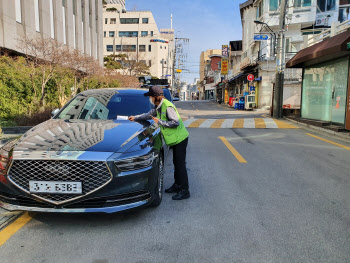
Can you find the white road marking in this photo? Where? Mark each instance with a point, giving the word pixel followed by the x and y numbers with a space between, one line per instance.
pixel 188 122
pixel 270 123
pixel 249 123
pixel 227 123
pixel 207 123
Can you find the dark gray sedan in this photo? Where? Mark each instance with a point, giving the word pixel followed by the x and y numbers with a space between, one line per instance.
pixel 87 158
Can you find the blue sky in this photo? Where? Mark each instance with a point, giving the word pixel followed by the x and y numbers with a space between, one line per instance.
pixel 207 23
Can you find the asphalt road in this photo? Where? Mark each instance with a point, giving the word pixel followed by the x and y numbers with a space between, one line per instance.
pixel 290 202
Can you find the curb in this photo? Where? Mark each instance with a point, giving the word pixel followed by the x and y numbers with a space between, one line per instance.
pixel 6 220
pixel 341 136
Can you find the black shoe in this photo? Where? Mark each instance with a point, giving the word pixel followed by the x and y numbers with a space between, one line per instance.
pixel 183 194
pixel 173 189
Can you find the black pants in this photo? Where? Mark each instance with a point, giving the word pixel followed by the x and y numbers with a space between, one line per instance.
pixel 179 160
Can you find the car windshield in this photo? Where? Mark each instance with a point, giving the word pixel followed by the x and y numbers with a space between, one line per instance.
pixel 105 106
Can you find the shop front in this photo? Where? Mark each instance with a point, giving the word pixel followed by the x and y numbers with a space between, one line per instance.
pixel 325 92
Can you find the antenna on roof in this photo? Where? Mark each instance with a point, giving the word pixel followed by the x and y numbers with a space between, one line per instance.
pixel 171 24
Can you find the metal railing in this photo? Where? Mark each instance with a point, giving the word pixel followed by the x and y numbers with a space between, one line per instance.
pixel 336 28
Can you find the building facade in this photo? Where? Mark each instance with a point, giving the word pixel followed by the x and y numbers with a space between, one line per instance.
pixel 76 23
pixel 137 35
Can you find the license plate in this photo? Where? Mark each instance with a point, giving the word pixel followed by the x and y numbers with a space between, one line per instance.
pixel 47 187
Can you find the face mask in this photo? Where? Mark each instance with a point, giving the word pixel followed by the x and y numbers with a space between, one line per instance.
pixel 151 101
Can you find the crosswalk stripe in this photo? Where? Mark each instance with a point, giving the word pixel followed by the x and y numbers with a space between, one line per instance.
pixel 259 123
pixel 228 123
pixel 270 123
pixel 249 123
pixel 217 123
pixel 196 123
pixel 238 123
pixel 207 123
pixel 284 125
pixel 188 122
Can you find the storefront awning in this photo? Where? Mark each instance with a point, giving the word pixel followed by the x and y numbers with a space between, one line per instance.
pixel 235 77
pixel 328 49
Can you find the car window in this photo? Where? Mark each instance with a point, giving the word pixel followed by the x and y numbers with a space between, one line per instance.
pixel 167 95
pixel 105 106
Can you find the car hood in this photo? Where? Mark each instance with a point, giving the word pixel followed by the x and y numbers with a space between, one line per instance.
pixel 82 136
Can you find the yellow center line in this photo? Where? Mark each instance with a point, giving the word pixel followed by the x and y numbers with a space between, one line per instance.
pixel 238 123
pixel 217 123
pixel 11 229
pixel 325 140
pixel 259 123
pixel 196 123
pixel 233 150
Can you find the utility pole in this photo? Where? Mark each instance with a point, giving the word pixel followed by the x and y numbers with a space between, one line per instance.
pixel 162 67
pixel 279 80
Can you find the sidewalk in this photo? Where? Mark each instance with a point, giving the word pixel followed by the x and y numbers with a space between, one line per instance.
pixel 344 136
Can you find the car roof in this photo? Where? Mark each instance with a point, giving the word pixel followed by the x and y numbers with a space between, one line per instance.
pixel 122 91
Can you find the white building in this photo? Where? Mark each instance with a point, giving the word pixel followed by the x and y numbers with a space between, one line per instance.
pixel 137 34
pixel 303 19
pixel 75 23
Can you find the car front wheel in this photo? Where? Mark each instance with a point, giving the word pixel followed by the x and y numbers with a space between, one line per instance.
pixel 159 186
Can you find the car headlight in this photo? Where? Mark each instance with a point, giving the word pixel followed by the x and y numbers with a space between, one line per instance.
pixel 135 163
pixel 4 164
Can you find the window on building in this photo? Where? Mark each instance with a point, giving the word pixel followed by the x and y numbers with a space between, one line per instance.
pixel 113 21
pixel 129 48
pixel 302 3
pixel 128 34
pixel 106 21
pixel 149 48
pixel 164 47
pixel 325 5
pixel 144 33
pixel 260 9
pixel 104 34
pixel 109 48
pixel 52 24
pixel 118 48
pixel 18 11
pixel 129 21
pixel 151 33
pixel 74 24
pixel 142 48
pixel 144 20
pixel 64 21
pixel 161 47
pixel 150 63
pixel 274 4
pixel 343 14
pixel 37 15
pixel 111 33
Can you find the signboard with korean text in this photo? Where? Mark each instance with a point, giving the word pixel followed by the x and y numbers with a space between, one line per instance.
pixel 261 37
pixel 224 66
pixel 224 52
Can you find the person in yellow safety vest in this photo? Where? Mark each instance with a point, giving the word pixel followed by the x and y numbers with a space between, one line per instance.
pixel 174 133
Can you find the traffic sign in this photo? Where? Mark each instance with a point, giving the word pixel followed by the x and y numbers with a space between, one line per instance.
pixel 250 77
pixel 168 75
pixel 261 37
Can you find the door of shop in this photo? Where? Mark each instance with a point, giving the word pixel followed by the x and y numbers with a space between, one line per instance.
pixel 338 102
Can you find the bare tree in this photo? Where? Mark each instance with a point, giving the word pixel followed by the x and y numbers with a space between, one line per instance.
pixel 43 55
pixel 134 63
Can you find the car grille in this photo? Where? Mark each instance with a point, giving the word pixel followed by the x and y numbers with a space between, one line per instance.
pixel 92 174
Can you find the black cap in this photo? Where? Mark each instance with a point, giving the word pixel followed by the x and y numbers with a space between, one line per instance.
pixel 154 91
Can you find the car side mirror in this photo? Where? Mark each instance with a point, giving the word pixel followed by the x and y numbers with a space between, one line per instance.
pixel 54 112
